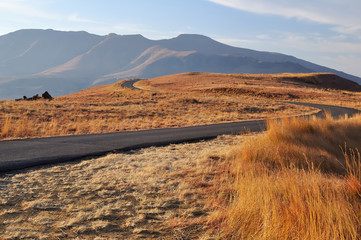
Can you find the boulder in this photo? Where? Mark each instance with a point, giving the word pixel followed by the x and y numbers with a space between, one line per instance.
pixel 35 97
pixel 47 96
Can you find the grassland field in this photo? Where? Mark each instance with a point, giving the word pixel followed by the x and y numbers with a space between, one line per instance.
pixel 301 179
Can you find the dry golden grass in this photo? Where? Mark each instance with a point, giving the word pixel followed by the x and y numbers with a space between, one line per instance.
pixel 311 87
pixel 299 180
pixel 113 108
pixel 292 182
pixel 195 81
pixel 154 193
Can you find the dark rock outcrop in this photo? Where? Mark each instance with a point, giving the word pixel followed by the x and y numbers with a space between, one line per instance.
pixel 46 95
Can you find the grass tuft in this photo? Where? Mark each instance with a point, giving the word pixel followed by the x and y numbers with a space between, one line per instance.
pixel 294 182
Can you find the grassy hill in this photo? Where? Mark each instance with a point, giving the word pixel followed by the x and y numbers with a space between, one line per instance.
pixel 181 100
pixel 301 179
pixel 286 82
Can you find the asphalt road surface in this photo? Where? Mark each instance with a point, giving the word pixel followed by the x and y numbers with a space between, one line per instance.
pixel 18 154
pixel 130 84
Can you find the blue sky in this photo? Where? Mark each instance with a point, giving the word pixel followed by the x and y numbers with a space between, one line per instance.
pixel 326 32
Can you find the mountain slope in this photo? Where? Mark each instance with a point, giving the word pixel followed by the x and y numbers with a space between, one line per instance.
pixel 112 54
pixel 32 51
pixel 203 44
pixel 32 61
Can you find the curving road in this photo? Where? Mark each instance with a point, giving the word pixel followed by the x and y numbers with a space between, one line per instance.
pixel 18 154
pixel 130 84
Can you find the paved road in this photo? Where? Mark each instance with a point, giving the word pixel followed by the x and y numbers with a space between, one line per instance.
pixel 18 154
pixel 130 84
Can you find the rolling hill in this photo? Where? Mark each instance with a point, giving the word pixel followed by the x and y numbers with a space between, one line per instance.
pixel 33 61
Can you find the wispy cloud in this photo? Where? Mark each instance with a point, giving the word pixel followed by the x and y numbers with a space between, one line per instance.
pixel 36 10
pixel 75 18
pixel 318 43
pixel 343 14
pixel 25 8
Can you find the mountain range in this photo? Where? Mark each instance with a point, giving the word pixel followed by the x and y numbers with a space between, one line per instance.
pixel 33 61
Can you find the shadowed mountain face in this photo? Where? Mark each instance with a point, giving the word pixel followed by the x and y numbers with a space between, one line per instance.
pixel 34 61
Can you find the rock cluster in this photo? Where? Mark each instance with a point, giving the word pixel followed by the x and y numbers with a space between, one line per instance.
pixel 45 95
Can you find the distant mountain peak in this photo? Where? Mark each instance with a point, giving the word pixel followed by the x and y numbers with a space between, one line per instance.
pixel 192 36
pixel 111 35
pixel 65 62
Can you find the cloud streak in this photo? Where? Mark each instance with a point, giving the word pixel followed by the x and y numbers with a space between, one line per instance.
pixel 25 9
pixel 75 18
pixel 343 14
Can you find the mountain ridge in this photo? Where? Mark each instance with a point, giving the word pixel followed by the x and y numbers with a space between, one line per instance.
pixel 35 60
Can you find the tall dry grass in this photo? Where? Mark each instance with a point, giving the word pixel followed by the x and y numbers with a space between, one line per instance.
pixel 299 180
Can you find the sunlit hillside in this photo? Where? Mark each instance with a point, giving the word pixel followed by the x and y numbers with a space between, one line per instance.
pixel 202 99
pixel 319 87
pixel 298 180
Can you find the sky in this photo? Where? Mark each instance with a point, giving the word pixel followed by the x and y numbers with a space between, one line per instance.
pixel 325 32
